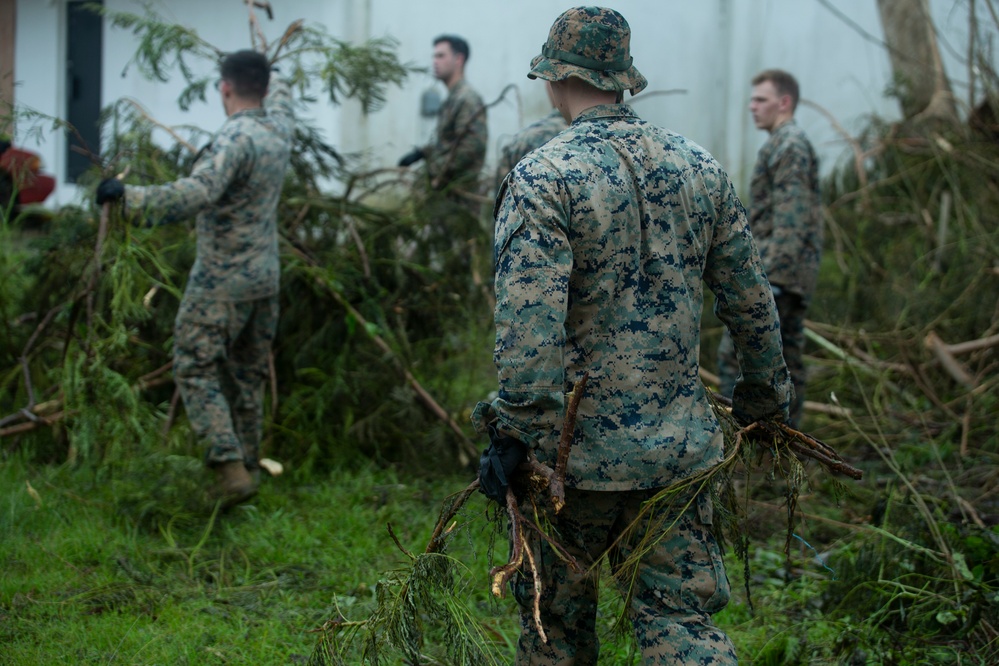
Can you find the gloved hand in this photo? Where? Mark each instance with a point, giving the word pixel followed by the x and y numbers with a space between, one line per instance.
pixel 497 464
pixel 415 155
pixel 4 146
pixel 110 189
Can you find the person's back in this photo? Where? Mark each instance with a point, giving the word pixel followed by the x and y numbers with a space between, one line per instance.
pixel 227 319
pixel 785 209
pixel 234 189
pixel 647 212
pixel 603 238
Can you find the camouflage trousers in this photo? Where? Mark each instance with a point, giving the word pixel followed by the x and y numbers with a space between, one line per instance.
pixel 791 310
pixel 678 584
pixel 220 366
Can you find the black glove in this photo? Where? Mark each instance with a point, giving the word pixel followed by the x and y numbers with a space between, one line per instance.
pixel 110 189
pixel 497 464
pixel 4 146
pixel 415 155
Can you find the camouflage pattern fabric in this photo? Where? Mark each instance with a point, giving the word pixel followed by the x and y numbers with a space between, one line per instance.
pixel 791 310
pixel 604 239
pixel 533 136
pixel 786 219
pixel 678 585
pixel 785 210
pixel 457 154
pixel 220 366
pixel 593 44
pixel 228 315
pixel 233 189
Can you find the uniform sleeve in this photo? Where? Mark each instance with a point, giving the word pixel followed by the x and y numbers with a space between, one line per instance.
pixel 279 107
pixel 228 156
pixel 533 264
pixel 744 302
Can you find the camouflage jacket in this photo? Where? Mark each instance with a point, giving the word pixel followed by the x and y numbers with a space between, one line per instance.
pixel 533 136
pixel 785 211
pixel 458 151
pixel 233 189
pixel 604 238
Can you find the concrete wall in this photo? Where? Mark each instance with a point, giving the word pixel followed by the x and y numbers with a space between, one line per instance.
pixel 707 49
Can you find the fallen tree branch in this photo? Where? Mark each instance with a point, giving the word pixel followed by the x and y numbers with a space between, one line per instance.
pixel 467 451
pixel 951 365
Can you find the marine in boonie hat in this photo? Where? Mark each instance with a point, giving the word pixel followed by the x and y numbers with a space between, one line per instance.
pixel 593 44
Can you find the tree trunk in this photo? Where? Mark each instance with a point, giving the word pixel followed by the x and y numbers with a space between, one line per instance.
pixel 924 90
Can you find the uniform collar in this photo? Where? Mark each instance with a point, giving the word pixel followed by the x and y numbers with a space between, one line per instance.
pixel 605 111
pixel 787 123
pixel 257 111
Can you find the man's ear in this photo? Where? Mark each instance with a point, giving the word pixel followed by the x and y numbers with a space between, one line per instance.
pixel 786 103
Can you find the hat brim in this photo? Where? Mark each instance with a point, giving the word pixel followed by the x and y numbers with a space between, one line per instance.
pixel 553 69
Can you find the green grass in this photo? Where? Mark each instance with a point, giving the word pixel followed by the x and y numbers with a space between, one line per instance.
pixel 87 581
pixel 92 576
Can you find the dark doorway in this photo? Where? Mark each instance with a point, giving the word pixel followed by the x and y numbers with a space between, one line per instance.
pixel 84 44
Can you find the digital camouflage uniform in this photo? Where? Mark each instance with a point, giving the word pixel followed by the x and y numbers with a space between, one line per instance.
pixel 604 239
pixel 786 219
pixel 455 157
pixel 533 136
pixel 228 315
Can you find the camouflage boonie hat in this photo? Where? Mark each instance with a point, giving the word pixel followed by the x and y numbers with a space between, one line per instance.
pixel 593 44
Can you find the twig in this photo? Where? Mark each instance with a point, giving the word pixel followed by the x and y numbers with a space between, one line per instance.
pixel 859 155
pixel 143 382
pixel 435 543
pixel 953 367
pixel 501 575
pixel 536 607
pixel 398 543
pixel 359 243
pixel 31 425
pixel 467 451
pixel 255 32
pixel 557 485
pixel 172 411
pixel 972 345
pixel 286 39
pixel 28 410
pixel 152 121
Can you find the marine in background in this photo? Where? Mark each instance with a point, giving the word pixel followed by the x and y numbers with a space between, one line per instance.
pixel 785 215
pixel 229 312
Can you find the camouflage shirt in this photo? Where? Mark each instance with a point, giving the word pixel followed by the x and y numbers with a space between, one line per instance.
pixel 234 188
pixel 604 239
pixel 533 136
pixel 459 150
pixel 785 212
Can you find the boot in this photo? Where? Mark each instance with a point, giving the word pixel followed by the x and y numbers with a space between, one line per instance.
pixel 233 484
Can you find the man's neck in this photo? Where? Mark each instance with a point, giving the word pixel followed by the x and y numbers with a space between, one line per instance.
pixel 780 122
pixel 454 80
pixel 238 105
pixel 580 103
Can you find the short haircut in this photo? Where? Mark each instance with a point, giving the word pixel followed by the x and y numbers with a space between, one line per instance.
pixel 249 73
pixel 458 45
pixel 784 83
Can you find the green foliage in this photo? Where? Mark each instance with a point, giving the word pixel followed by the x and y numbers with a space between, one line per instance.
pixel 100 359
pixel 306 54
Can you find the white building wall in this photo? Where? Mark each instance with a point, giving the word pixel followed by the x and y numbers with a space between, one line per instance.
pixel 709 49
